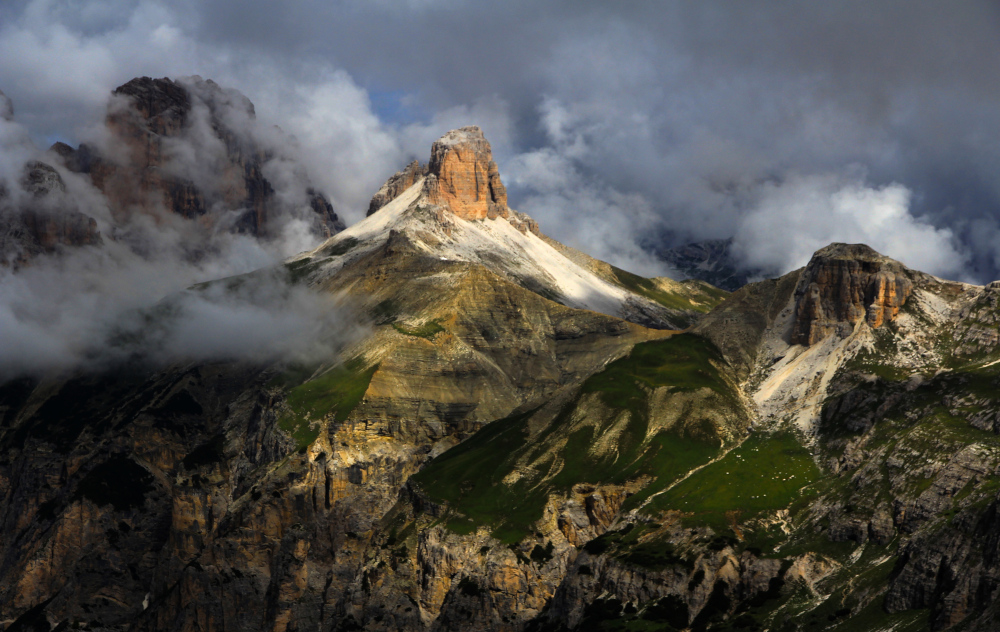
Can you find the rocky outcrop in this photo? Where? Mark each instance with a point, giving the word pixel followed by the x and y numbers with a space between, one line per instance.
pixel 396 184
pixel 463 177
pixel 186 148
pixel 43 219
pixel 843 284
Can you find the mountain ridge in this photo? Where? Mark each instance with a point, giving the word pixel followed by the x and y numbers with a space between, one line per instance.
pixel 522 437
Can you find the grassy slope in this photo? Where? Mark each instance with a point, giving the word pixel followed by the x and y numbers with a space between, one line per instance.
pixel 765 473
pixel 337 392
pixel 925 424
pixel 470 477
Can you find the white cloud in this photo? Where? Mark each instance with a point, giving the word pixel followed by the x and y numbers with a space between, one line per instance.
pixel 582 213
pixel 792 219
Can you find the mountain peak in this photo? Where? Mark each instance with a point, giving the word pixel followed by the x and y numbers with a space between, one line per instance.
pixel 190 147
pixel 463 177
pixel 455 211
pixel 846 283
pixel 857 252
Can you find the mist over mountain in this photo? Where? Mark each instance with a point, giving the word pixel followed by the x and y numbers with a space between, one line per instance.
pixel 451 316
pixel 99 243
pixel 610 122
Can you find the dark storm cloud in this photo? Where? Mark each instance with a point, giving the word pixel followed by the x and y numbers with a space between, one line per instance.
pixel 784 124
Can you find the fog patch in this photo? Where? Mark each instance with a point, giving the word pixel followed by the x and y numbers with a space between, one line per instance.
pixel 97 307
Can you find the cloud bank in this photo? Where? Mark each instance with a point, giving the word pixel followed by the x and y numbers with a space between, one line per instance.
pixel 794 218
pixel 784 126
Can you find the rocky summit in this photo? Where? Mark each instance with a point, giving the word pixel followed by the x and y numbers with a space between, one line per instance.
pixel 844 284
pixel 183 153
pixel 463 176
pixel 524 438
pixel 186 147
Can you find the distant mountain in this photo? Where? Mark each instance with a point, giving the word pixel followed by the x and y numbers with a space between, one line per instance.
pixel 189 147
pixel 173 149
pixel 710 261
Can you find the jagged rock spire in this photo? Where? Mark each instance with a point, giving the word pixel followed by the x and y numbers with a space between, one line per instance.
pixel 463 176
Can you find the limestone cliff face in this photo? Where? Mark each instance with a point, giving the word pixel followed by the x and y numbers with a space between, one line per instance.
pixel 183 148
pixel 466 179
pixel 846 283
pixel 460 177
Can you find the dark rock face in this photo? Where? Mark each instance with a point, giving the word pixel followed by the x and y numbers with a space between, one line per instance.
pixel 63 229
pixel 328 222
pixel 845 283
pixel 954 572
pixel 42 221
pixel 396 184
pixel 186 150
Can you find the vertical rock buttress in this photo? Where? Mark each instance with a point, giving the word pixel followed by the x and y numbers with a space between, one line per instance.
pixel 845 283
